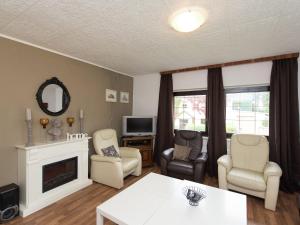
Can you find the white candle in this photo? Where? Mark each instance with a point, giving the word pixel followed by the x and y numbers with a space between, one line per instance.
pixel 28 114
pixel 81 114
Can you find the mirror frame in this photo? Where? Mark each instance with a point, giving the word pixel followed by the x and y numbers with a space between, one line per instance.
pixel 66 96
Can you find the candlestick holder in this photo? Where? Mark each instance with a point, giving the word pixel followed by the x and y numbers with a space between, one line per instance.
pixel 29 133
pixel 81 125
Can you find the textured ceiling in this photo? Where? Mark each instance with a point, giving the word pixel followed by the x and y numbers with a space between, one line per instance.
pixel 133 36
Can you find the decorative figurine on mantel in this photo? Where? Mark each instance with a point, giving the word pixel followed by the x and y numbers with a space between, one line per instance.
pixel 55 131
pixel 70 121
pixel 79 136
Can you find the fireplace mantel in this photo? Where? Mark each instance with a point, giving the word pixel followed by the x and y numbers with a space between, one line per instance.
pixel 30 172
pixel 50 144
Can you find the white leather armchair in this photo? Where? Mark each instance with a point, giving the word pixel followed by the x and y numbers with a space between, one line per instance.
pixel 247 169
pixel 111 171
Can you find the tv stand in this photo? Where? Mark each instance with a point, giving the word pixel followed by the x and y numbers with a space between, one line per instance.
pixel 144 144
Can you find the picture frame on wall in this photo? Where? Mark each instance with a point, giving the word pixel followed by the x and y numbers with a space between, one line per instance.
pixel 124 97
pixel 111 95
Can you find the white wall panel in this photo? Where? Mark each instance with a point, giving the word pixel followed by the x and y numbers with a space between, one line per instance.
pixel 248 74
pixel 145 95
pixel 190 80
pixel 146 87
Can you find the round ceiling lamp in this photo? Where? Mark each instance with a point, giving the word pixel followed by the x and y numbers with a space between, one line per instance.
pixel 188 19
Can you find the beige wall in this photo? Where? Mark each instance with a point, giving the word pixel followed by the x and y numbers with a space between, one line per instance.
pixel 23 68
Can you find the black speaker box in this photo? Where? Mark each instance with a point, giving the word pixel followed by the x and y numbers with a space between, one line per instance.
pixel 9 202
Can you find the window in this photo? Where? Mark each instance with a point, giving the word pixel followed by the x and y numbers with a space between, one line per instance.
pixel 190 110
pixel 247 110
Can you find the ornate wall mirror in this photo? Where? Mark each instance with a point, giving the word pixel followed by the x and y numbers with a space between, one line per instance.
pixel 53 97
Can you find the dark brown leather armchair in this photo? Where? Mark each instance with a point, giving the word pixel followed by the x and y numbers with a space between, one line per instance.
pixel 194 169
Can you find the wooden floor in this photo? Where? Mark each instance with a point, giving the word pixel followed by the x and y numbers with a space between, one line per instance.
pixel 80 207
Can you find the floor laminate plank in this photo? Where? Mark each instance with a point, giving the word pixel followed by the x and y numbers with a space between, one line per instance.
pixel 80 207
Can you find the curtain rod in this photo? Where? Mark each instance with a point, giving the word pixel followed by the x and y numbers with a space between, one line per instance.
pixel 234 63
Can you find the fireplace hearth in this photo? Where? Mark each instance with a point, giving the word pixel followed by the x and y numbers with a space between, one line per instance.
pixel 59 173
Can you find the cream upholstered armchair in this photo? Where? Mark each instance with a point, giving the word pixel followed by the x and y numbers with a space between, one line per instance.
pixel 247 169
pixel 112 170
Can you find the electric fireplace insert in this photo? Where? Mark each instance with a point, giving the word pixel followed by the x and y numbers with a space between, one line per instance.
pixel 59 173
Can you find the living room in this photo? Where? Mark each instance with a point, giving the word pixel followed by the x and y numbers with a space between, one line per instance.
pixel 149 112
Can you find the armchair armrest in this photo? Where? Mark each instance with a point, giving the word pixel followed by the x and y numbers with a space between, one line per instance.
pixel 202 158
pixel 167 154
pixel 272 169
pixel 99 158
pixel 200 164
pixel 165 157
pixel 129 152
pixel 226 162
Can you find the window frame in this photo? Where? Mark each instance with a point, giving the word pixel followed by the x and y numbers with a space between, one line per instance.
pixel 232 90
pixel 196 92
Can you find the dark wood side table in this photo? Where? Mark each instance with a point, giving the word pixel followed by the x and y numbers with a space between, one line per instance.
pixel 144 144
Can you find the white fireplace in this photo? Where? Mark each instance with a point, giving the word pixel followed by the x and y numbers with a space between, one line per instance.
pixel 50 171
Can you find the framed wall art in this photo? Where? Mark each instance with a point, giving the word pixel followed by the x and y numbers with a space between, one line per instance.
pixel 124 97
pixel 111 95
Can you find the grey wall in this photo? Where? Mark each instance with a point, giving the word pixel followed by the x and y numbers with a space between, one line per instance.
pixel 23 68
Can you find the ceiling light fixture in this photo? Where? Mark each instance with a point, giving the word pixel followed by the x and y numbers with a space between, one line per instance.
pixel 188 19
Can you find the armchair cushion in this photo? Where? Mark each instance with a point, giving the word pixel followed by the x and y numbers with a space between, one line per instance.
pixel 249 152
pixel 247 179
pixel 181 152
pixel 129 164
pixel 272 169
pixel 110 151
pixel 181 167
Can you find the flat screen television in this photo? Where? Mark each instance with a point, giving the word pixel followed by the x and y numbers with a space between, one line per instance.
pixel 139 125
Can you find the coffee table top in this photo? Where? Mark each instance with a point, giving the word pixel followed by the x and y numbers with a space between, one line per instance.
pixel 156 199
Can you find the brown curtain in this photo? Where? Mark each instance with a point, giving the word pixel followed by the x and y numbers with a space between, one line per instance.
pixel 284 121
pixel 215 106
pixel 164 135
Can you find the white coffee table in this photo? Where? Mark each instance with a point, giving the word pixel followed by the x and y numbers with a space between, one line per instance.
pixel 158 200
